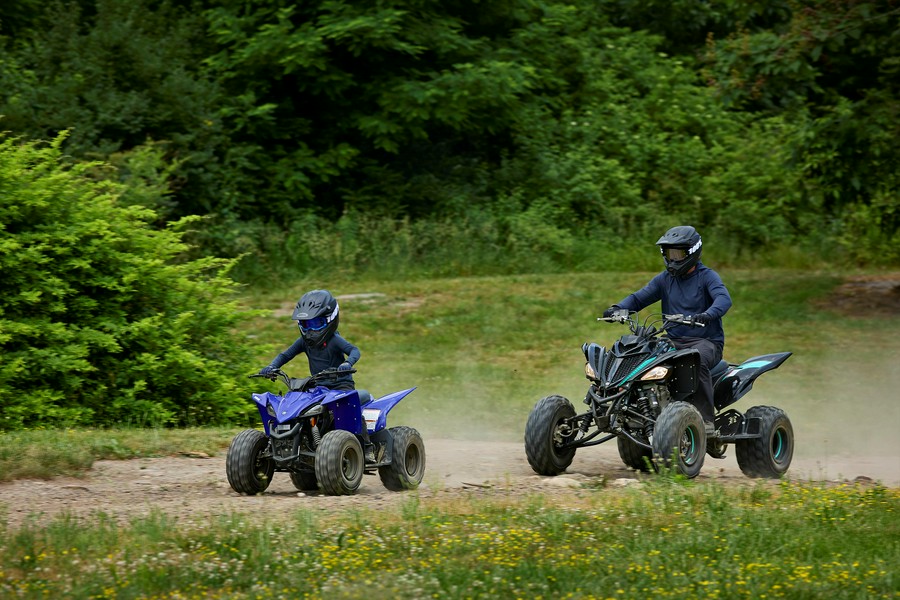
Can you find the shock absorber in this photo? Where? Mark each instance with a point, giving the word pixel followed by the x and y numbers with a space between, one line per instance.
pixel 643 405
pixel 316 436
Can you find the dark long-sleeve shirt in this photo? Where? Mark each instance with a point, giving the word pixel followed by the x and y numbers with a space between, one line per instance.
pixel 329 355
pixel 700 291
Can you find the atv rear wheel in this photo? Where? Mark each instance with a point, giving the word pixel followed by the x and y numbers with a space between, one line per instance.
pixel 680 432
pixel 770 454
pixel 247 471
pixel 305 481
pixel 634 455
pixel 545 432
pixel 339 463
pixel 407 460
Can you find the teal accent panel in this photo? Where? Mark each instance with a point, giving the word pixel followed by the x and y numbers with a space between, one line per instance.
pixel 755 364
pixel 639 367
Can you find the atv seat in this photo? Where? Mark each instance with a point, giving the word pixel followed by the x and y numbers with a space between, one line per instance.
pixel 717 371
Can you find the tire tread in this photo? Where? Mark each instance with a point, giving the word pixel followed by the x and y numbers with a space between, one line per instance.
pixel 240 462
pixel 395 476
pixel 754 456
pixel 542 421
pixel 329 463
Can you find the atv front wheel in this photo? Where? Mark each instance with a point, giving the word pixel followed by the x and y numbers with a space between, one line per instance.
pixel 247 471
pixel 770 454
pixel 545 432
pixel 680 432
pixel 305 481
pixel 339 463
pixel 634 455
pixel 407 461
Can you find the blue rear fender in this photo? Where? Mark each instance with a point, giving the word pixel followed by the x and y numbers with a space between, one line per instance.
pixel 375 412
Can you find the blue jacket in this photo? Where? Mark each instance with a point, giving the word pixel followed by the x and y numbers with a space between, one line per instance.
pixel 700 291
pixel 329 355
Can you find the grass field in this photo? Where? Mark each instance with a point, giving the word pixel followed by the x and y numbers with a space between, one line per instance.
pixel 667 540
pixel 481 351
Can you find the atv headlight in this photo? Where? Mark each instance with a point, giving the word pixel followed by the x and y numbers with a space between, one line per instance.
pixel 318 409
pixel 270 410
pixel 655 373
pixel 589 371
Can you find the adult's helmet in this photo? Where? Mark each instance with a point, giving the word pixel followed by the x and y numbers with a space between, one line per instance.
pixel 317 315
pixel 681 248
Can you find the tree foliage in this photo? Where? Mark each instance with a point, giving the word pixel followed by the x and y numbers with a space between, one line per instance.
pixel 769 121
pixel 101 321
pixel 834 70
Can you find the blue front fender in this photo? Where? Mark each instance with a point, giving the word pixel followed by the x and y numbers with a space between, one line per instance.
pixel 261 401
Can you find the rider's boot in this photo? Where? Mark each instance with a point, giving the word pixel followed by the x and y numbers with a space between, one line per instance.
pixel 368 447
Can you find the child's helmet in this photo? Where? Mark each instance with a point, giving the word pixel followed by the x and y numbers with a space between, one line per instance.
pixel 681 248
pixel 316 314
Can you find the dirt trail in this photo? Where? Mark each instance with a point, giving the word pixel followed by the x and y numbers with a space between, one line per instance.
pixel 196 488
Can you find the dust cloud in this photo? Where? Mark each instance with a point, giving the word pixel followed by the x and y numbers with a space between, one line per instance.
pixel 844 407
pixel 845 418
pixel 847 422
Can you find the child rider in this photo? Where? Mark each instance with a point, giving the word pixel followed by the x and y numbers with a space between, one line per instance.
pixel 317 315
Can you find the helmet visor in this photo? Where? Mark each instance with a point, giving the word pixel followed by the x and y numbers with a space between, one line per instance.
pixel 314 324
pixel 675 254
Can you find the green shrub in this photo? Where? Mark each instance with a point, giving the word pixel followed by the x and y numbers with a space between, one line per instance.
pixel 102 320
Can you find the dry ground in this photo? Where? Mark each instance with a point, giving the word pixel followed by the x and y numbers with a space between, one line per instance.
pixel 192 488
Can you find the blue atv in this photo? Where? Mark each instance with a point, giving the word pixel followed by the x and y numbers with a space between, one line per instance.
pixel 324 439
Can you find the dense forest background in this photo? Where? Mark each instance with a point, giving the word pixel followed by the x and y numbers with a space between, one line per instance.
pixel 156 154
pixel 461 136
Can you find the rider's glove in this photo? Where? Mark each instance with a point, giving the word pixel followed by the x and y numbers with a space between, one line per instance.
pixel 345 367
pixel 702 319
pixel 268 371
pixel 611 311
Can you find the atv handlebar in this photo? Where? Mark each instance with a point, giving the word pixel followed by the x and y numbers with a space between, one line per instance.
pixel 620 316
pixel 623 315
pixel 325 374
pixel 683 320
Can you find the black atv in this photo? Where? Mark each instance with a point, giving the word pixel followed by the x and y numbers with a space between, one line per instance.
pixel 641 392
